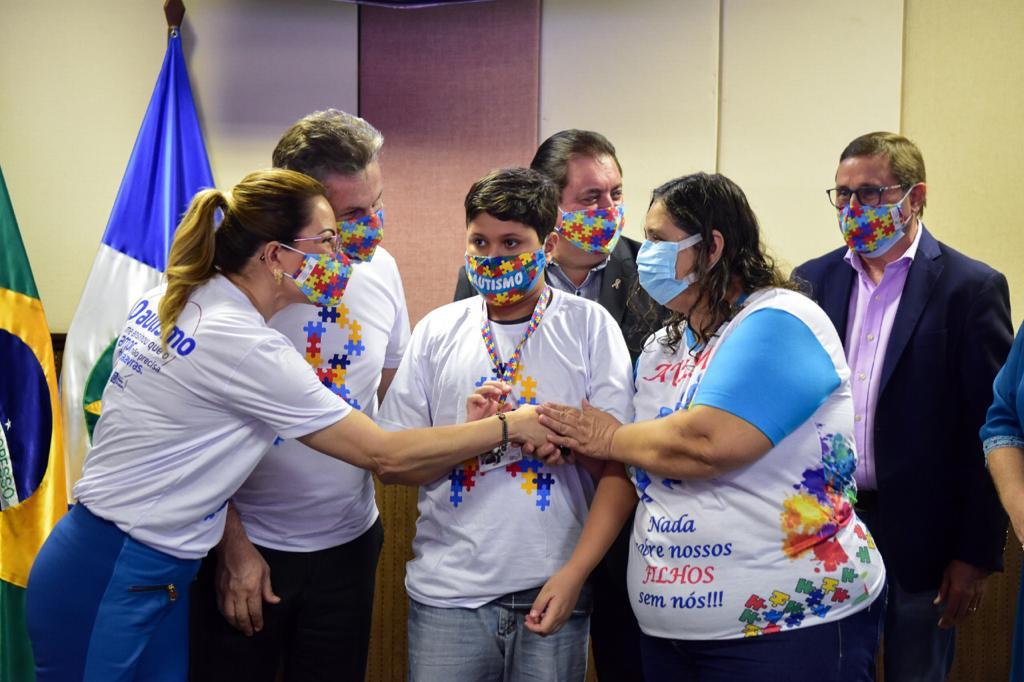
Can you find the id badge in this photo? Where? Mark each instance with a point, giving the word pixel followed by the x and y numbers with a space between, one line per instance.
pixel 490 460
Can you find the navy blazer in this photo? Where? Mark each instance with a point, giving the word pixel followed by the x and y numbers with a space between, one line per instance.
pixel 620 278
pixel 951 335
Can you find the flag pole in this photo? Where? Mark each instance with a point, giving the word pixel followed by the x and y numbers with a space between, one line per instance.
pixel 174 10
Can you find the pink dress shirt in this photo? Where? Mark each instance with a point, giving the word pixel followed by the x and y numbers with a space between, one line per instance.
pixel 871 316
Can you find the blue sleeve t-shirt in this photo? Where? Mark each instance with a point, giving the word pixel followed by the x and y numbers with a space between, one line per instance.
pixel 771 372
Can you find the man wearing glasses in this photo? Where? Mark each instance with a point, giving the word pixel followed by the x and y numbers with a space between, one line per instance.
pixel 925 330
pixel 294 573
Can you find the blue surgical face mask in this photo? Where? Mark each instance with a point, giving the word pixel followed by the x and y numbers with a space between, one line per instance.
pixel 656 265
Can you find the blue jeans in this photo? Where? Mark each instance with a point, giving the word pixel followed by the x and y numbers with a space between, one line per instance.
pixel 838 651
pixel 101 606
pixel 492 643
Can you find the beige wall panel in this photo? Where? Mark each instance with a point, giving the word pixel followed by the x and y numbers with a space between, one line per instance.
pixel 75 79
pixel 800 79
pixel 645 74
pixel 963 103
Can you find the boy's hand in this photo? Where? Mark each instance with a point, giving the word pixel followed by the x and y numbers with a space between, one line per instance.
pixel 553 606
pixel 483 403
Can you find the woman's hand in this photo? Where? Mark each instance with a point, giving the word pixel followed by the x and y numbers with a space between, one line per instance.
pixel 524 429
pixel 588 431
pixel 555 603
pixel 484 402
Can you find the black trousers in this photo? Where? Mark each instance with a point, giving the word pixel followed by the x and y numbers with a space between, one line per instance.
pixel 614 632
pixel 319 631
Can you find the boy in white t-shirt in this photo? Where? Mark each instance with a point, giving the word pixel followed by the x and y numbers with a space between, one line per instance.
pixel 504 543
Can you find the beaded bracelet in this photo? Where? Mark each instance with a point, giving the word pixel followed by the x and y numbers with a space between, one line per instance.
pixel 500 449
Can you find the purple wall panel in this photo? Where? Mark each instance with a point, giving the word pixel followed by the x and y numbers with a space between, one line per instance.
pixel 455 91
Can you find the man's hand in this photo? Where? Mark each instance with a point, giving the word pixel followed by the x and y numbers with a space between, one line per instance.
pixel 963 586
pixel 555 603
pixel 587 431
pixel 243 582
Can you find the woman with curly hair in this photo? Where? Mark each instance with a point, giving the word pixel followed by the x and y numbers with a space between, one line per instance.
pixel 747 557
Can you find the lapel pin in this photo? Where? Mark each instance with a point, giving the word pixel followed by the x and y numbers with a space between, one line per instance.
pixel 617 283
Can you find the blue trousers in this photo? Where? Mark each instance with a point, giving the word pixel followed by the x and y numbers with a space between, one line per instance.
pixel 837 651
pixel 101 606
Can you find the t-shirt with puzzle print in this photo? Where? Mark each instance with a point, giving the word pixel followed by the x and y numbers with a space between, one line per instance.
pixel 297 499
pixel 774 545
pixel 481 535
pixel 182 430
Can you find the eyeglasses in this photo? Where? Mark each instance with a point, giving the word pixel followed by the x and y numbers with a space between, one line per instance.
pixel 328 239
pixel 866 196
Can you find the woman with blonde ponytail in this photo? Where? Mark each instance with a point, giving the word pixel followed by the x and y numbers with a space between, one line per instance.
pixel 190 262
pixel 200 389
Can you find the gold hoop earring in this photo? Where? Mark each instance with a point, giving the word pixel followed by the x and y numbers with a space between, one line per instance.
pixel 278 275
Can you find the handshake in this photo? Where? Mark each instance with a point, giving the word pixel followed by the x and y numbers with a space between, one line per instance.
pixel 552 433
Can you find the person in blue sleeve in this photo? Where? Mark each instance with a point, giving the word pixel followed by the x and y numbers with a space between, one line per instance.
pixel 1002 437
pixel 747 559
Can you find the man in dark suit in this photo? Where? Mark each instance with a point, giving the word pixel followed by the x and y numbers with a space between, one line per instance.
pixel 584 166
pixel 925 330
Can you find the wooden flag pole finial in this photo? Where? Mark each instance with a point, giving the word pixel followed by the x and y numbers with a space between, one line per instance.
pixel 174 10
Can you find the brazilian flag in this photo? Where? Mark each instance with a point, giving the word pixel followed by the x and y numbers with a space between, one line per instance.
pixel 33 489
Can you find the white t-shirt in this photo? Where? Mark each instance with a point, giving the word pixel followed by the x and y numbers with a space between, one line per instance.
pixel 297 499
pixel 774 545
pixel 481 535
pixel 180 431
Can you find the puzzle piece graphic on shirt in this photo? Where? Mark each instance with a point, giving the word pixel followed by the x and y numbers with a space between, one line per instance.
pixel 529 394
pixel 314 329
pixel 755 602
pixel 544 483
pixel 840 595
pixel 313 348
pixel 793 607
pixel 828 584
pixel 778 598
pixel 749 617
pixel 328 314
pixel 795 619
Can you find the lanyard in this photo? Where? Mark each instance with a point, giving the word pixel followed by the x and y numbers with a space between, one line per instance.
pixel 508 373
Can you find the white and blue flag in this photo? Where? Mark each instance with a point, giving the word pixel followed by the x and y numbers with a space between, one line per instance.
pixel 167 167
